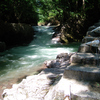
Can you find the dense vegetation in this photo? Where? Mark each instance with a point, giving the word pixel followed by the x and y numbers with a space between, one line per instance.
pixel 32 11
pixel 14 11
pixel 75 15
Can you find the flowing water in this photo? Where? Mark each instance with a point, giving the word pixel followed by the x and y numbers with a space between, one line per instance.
pixel 25 60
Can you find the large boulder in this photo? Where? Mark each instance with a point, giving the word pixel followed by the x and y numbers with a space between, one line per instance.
pixel 62 60
pixel 88 39
pixel 2 46
pixel 15 33
pixel 95 32
pixel 91 28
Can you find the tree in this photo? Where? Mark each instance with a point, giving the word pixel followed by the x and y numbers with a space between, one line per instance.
pixel 18 11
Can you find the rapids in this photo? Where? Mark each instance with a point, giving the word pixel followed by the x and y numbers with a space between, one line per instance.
pixel 25 60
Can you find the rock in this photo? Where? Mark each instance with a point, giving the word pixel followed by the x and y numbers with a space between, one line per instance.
pixel 49 24
pixel 56 37
pixel 85 58
pixel 97 24
pixel 91 28
pixel 57 91
pixel 95 32
pixel 57 83
pixel 84 48
pixel 34 87
pixel 55 40
pixel 88 39
pixel 2 46
pixel 82 73
pixel 71 88
pixel 15 33
pixel 61 60
pixel 63 57
pixel 52 64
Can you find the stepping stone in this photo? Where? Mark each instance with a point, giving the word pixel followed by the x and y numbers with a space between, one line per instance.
pixel 85 58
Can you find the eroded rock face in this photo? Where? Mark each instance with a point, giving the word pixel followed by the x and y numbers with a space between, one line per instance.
pixel 95 32
pixel 2 46
pixel 32 88
pixel 89 44
pixel 15 33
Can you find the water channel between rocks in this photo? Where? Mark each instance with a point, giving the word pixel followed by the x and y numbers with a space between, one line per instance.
pixel 25 60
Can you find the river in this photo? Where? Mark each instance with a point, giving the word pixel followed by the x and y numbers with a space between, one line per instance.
pixel 25 60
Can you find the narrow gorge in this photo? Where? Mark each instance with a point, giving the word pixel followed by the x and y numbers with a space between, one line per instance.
pixel 71 76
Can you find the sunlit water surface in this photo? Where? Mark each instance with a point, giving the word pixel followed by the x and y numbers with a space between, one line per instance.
pixel 25 60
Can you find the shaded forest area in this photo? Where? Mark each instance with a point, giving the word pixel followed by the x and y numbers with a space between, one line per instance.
pixel 74 16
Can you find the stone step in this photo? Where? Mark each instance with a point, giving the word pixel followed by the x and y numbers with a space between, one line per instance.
pixel 79 72
pixel 82 80
pixel 86 58
pixel 88 39
pixel 84 48
pixel 86 96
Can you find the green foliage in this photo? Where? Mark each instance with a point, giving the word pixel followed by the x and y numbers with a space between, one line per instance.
pixel 23 11
pixel 31 11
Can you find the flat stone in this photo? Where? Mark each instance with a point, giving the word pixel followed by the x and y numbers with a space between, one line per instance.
pixel 84 48
pixel 85 58
pixel 95 32
pixel 88 39
pixel 79 72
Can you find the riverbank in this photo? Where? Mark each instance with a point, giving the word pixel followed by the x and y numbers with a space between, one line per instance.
pixel 18 61
pixel 59 81
pixel 38 85
pixel 69 76
pixel 13 34
pixel 7 83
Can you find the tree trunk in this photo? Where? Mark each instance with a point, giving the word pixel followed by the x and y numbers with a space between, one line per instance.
pixel 83 5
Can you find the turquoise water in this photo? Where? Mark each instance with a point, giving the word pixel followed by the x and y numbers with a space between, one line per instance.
pixel 24 60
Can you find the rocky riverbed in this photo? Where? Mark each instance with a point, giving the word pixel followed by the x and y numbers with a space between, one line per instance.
pixel 36 87
pixel 68 77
